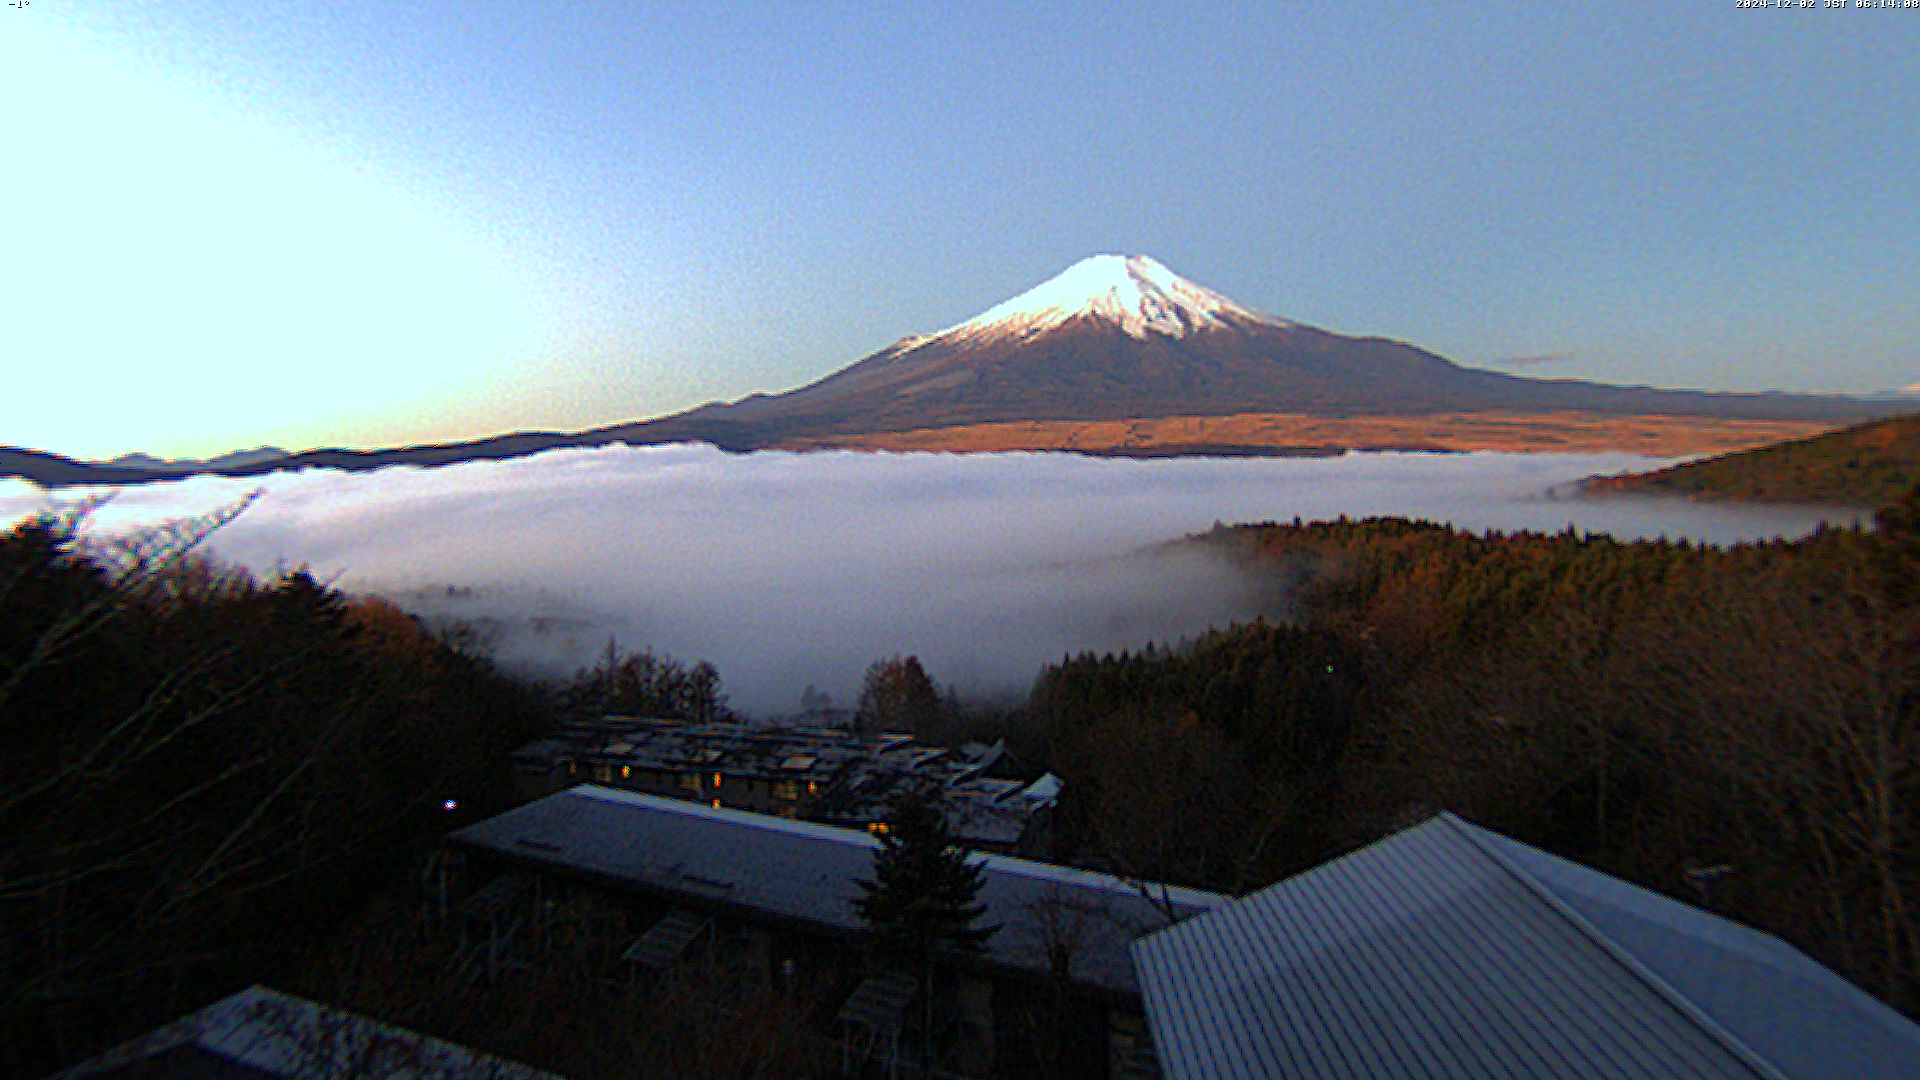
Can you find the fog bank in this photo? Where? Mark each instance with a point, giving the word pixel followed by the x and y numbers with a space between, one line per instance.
pixel 789 569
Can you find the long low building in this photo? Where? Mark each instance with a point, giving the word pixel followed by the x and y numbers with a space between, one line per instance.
pixel 805 874
pixel 1444 951
pixel 835 776
pixel 800 878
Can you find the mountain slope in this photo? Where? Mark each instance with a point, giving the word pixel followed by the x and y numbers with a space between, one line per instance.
pixel 53 470
pixel 1872 465
pixel 1115 338
pixel 1120 355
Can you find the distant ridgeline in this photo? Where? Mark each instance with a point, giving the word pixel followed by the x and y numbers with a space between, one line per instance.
pixel 1871 465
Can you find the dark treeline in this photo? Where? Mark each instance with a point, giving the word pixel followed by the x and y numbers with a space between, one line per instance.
pixel 1739 728
pixel 1182 763
pixel 643 684
pixel 198 771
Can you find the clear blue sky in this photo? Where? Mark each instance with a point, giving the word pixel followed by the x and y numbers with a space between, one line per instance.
pixel 354 223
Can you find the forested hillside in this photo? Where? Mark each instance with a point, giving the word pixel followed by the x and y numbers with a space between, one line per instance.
pixel 205 779
pixel 1738 728
pixel 200 772
pixel 1868 465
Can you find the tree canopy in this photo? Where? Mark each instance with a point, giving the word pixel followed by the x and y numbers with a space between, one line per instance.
pixel 1646 707
pixel 198 769
pixel 644 684
pixel 897 694
pixel 921 898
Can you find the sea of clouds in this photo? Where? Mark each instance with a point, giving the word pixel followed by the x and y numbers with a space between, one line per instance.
pixel 789 569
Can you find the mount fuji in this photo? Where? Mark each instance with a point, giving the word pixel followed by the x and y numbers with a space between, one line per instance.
pixel 1118 355
pixel 1122 340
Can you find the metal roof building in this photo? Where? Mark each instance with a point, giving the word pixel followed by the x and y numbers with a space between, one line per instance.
pixel 1450 951
pixel 262 1034
pixel 804 874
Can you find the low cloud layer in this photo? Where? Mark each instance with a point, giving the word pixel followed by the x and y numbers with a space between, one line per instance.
pixel 789 569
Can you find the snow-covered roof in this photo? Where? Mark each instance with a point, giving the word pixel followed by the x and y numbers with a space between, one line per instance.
pixel 1042 791
pixel 1450 951
pixel 260 1033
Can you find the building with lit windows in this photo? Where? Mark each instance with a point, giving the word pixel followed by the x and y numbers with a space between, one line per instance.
pixel 828 775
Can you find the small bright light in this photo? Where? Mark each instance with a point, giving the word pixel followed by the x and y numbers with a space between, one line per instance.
pixel 450 804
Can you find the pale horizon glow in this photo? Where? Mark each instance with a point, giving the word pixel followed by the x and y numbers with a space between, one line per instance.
pixel 238 276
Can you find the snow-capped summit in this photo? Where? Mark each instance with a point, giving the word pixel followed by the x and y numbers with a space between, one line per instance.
pixel 1134 292
pixel 1121 348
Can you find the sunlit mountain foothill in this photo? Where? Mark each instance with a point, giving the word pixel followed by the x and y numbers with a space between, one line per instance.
pixel 1121 542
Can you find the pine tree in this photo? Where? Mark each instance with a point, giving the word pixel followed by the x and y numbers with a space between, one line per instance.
pixel 921 901
pixel 304 604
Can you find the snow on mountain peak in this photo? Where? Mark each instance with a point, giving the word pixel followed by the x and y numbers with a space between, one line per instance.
pixel 1134 292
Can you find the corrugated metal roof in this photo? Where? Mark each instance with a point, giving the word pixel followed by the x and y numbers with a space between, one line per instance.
pixel 805 871
pixel 1793 1011
pixel 1449 951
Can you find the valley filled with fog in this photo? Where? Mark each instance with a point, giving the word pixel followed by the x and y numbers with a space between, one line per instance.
pixel 794 569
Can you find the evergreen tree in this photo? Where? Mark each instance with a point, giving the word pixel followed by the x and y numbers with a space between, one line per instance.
pixel 921 900
pixel 302 603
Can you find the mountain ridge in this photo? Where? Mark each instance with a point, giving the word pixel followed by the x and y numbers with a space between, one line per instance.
pixel 1870 465
pixel 228 460
pixel 1123 340
pixel 1121 337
